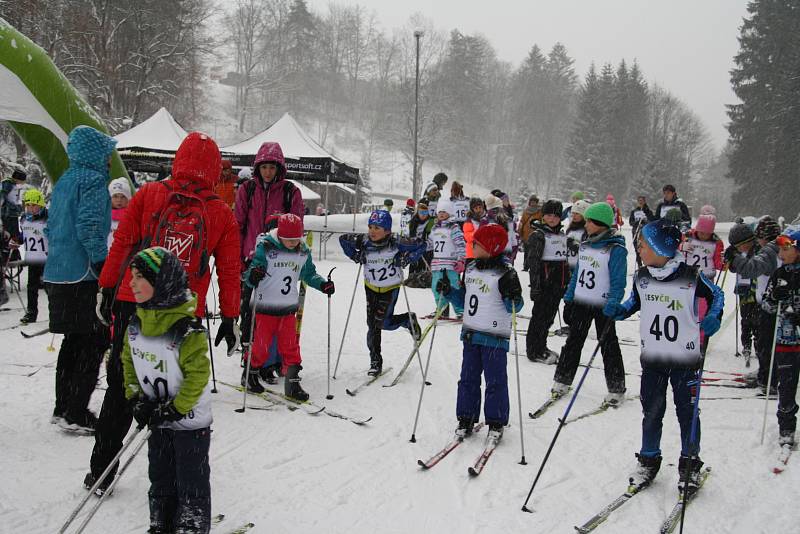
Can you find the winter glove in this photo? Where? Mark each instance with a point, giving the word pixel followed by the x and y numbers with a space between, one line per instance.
pixel 729 254
pixel 328 288
pixel 229 331
pixel 164 413
pixel 105 299
pixel 256 275
pixel 710 325
pixel 615 311
pixel 459 266
pixel 780 290
pixel 510 287
pixel 573 245
pixel 142 409
pixel 443 286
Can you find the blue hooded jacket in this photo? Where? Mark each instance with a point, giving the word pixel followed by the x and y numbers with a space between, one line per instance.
pixel 80 209
pixel 617 266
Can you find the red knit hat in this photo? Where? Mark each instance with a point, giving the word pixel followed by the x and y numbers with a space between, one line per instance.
pixel 492 238
pixel 198 160
pixel 290 226
pixel 410 203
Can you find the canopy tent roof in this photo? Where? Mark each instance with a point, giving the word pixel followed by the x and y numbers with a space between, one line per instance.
pixel 158 134
pixel 305 192
pixel 305 158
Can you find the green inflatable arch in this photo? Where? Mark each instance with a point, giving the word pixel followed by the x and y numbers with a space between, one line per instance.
pixel 40 104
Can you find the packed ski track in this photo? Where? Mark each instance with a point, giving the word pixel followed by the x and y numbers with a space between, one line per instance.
pixel 286 471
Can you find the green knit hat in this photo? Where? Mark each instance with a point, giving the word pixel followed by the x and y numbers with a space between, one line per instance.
pixel 601 213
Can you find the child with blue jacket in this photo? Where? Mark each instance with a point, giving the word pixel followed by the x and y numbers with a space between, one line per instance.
pixel 596 286
pixel 490 292
pixel 383 255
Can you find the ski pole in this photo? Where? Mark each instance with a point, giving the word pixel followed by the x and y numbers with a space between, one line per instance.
pixel 425 372
pixel 566 413
pixel 211 352
pixel 329 396
pixel 99 481
pixel 347 321
pixel 692 445
pixel 519 391
pixel 736 314
pixel 769 375
pixel 249 354
pixel 560 325
pixel 110 488
pixel 413 328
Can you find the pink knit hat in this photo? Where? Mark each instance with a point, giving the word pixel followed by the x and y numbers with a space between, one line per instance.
pixel 708 210
pixel 705 223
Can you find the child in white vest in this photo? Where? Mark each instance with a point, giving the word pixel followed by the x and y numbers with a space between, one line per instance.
pixel 33 231
pixel 166 370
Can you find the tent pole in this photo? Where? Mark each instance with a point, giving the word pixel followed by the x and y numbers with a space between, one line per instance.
pixel 327 198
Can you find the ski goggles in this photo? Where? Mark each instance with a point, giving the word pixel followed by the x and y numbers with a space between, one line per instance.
pixel 424 212
pixel 784 241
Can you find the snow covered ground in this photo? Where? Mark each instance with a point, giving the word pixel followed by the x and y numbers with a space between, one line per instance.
pixel 291 472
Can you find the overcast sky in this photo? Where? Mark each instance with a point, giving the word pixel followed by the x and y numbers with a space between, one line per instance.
pixel 687 46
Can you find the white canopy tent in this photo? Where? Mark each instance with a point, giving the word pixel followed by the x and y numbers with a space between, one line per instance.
pixel 295 142
pixel 159 133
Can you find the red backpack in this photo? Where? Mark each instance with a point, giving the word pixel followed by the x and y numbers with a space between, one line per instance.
pixel 180 226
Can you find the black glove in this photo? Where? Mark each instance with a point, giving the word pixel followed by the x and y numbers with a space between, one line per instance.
pixel 729 254
pixel 573 245
pixel 164 413
pixel 509 286
pixel 142 409
pixel 328 288
pixel 229 331
pixel 256 275
pixel 781 290
pixel 105 299
pixel 443 286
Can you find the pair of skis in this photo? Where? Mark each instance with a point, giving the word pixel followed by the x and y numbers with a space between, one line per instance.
pixel 369 381
pixel 669 524
pixel 308 407
pixel 473 470
pixel 241 529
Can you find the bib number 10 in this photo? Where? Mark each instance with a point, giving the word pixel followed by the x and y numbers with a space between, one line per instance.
pixel 668 328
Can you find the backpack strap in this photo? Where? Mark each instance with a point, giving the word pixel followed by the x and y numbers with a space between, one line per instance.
pixel 184 326
pixel 288 195
pixel 250 190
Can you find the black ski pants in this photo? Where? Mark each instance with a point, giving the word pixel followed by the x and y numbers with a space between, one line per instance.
pixel 749 323
pixel 180 480
pixel 581 319
pixel 76 372
pixel 115 415
pixel 764 339
pixel 788 363
pixel 34 285
pixel 380 316
pixel 544 312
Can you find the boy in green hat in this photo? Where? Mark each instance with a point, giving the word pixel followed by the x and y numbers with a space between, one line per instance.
pixel 596 288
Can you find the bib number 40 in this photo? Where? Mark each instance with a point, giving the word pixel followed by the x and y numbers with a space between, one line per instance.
pixel 668 328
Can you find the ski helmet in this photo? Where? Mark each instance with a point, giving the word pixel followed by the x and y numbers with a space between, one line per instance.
pixel 33 196
pixel 790 236
pixel 381 218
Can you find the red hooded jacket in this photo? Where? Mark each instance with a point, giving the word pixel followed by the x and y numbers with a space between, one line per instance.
pixel 267 199
pixel 197 162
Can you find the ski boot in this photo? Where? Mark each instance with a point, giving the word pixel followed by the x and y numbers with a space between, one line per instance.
pixel 495 433
pixel 291 384
pixel 83 424
pixel 645 472
pixel 558 390
pixel 375 366
pixel 90 481
pixel 464 429
pixel 692 478
pixel 786 438
pixel 29 317
pixel 416 331
pixel 614 399
pixel 250 381
pixel 550 357
pixel 267 374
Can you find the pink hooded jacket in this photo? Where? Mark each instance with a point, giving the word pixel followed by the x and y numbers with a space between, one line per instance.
pixel 267 199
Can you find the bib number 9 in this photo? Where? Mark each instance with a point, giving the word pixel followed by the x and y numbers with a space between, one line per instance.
pixel 473 305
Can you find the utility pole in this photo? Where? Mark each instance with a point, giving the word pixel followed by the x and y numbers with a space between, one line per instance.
pixel 416 185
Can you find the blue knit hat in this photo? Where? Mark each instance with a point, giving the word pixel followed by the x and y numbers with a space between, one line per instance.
pixel 662 237
pixel 381 218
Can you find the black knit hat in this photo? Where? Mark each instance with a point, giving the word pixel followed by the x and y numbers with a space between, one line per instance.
pixel 440 179
pixel 19 174
pixel 164 271
pixel 552 207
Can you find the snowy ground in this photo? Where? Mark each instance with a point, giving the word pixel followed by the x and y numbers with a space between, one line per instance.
pixel 291 472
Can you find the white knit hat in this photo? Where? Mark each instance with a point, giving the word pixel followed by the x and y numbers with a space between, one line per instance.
pixel 120 186
pixel 492 202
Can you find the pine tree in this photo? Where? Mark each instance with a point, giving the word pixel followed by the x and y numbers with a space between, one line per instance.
pixel 765 128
